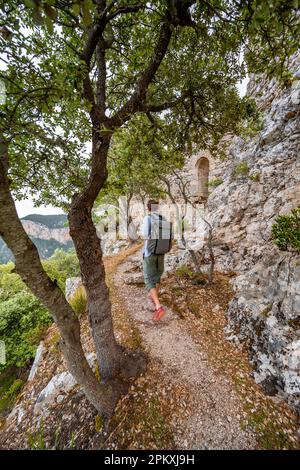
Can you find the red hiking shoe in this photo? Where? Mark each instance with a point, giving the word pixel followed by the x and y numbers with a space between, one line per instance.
pixel 158 314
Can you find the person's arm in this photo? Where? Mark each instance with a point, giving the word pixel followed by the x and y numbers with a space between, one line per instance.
pixel 145 227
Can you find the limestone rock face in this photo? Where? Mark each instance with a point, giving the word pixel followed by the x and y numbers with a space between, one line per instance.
pixel 72 284
pixel 261 179
pixel 18 412
pixel 37 360
pixel 111 246
pixel 43 232
pixel 55 391
pixel 48 233
pixel 265 314
pixel 175 258
pixel 58 389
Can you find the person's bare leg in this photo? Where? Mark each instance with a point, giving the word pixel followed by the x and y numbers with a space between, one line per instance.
pixel 157 291
pixel 154 294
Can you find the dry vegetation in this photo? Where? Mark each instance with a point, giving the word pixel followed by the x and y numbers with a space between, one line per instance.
pixel 202 309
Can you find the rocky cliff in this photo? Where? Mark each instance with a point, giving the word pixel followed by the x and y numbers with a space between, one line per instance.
pixel 48 232
pixel 259 180
pixel 243 194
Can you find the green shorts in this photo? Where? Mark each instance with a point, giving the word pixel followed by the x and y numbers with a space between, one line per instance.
pixel 153 267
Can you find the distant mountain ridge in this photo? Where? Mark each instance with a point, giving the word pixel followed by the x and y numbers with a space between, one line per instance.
pixel 51 221
pixel 48 232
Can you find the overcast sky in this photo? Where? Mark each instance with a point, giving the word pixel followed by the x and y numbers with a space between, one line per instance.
pixel 26 207
pixel 242 86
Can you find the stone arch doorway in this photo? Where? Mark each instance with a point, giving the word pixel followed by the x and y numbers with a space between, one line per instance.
pixel 203 177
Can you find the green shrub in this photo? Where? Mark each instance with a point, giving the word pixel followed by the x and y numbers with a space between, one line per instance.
pixel 14 389
pixel 22 319
pixel 98 423
pixel 215 182
pixel 255 176
pixel 252 126
pixel 78 300
pixel 10 388
pixel 10 283
pixel 61 265
pixel 241 169
pixel 286 231
pixel 184 271
pixel 37 441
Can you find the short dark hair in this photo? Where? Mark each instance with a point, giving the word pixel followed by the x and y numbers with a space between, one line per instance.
pixel 152 204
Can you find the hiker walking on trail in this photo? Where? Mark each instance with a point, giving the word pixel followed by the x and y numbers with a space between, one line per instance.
pixel 157 232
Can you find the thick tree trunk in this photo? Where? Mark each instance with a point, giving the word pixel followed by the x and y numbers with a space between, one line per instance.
pixel 29 267
pixel 112 358
pixel 88 249
pixel 195 259
pixel 89 253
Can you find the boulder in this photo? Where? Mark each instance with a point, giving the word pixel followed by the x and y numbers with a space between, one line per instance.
pixel 17 414
pixel 134 279
pixel 37 360
pixel 58 389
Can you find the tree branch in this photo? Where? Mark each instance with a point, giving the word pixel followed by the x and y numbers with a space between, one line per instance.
pixel 176 14
pixel 126 9
pixel 139 95
pixel 157 108
pixel 101 77
pixel 95 32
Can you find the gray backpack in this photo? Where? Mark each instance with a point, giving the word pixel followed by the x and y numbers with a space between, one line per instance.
pixel 160 236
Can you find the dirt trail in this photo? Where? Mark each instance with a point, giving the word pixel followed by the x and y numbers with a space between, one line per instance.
pixel 215 420
pixel 197 391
